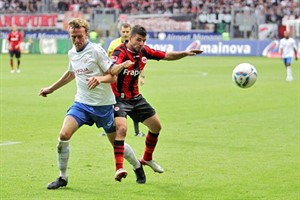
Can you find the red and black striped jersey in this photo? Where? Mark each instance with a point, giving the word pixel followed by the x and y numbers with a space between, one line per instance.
pixel 127 82
pixel 15 39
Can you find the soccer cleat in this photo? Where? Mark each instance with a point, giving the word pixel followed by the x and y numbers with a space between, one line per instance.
pixel 140 175
pixel 140 134
pixel 59 182
pixel 289 79
pixel 120 173
pixel 12 71
pixel 103 134
pixel 151 163
pixel 18 70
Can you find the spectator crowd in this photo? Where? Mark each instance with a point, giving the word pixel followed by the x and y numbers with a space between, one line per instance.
pixel 267 11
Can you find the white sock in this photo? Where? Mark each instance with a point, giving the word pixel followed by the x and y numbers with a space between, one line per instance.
pixel 63 157
pixel 289 71
pixel 130 156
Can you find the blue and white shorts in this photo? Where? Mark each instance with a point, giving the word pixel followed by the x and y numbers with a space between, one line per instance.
pixel 287 60
pixel 102 116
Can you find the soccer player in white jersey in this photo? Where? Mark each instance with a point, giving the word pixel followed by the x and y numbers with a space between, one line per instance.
pixel 287 49
pixel 89 65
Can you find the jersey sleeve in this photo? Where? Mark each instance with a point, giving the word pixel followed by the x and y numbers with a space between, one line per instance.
pixel 110 49
pixel 9 37
pixel 280 46
pixel 295 45
pixel 103 60
pixel 153 53
pixel 20 38
pixel 113 45
pixel 118 56
pixel 70 67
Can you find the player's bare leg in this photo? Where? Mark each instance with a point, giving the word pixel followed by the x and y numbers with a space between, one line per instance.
pixel 12 65
pixel 18 65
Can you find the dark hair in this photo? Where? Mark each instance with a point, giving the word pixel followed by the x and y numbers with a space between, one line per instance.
pixel 138 29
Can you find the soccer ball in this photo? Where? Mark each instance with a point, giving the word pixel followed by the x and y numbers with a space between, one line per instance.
pixel 244 75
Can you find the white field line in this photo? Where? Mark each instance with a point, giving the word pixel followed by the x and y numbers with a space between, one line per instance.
pixel 5 143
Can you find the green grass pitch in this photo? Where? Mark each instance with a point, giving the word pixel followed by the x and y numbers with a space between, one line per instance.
pixel 218 141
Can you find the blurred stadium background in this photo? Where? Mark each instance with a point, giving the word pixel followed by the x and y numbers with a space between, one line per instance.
pixel 219 27
pixel 238 144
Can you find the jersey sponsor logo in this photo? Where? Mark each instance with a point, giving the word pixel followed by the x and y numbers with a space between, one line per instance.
pixel 81 71
pixel 14 39
pixel 131 72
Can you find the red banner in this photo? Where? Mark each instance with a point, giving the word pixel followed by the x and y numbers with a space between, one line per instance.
pixel 42 21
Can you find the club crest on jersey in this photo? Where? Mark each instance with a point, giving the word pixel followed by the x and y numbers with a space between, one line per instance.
pixel 114 58
pixel 144 59
pixel 85 59
pixel 117 108
pixel 131 72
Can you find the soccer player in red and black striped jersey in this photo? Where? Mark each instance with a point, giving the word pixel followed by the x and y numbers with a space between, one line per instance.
pixel 15 38
pixel 134 54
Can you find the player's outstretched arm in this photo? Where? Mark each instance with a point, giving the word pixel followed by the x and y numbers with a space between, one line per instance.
pixel 176 55
pixel 66 78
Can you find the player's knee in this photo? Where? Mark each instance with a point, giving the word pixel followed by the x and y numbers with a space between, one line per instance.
pixel 64 136
pixel 160 127
pixel 121 130
pixel 157 128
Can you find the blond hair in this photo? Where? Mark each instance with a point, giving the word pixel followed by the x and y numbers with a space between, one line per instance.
pixel 78 23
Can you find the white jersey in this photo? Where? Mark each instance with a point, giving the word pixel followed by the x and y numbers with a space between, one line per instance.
pixel 287 46
pixel 91 61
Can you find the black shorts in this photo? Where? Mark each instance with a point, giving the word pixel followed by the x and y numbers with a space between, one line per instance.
pixel 137 108
pixel 15 52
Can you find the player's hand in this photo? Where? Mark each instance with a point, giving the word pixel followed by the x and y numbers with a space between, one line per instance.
pixel 45 91
pixel 142 80
pixel 194 52
pixel 93 82
pixel 127 63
